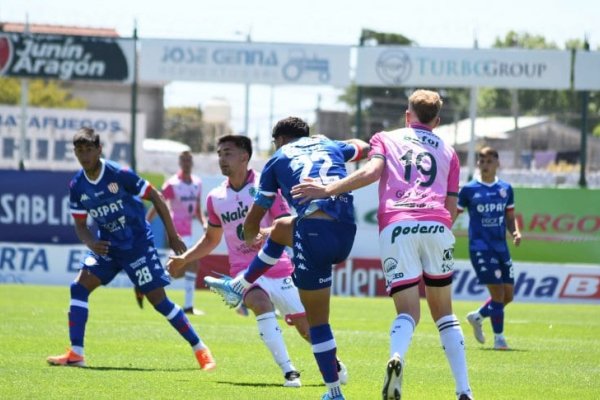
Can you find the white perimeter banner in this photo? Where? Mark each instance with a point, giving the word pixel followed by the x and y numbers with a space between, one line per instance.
pixel 24 263
pixel 444 67
pixel 163 60
pixel 587 70
pixel 49 136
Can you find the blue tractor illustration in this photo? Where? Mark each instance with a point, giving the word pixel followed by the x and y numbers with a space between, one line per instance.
pixel 298 64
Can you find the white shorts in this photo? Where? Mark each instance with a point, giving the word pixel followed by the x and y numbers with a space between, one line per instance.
pixel 284 296
pixel 411 249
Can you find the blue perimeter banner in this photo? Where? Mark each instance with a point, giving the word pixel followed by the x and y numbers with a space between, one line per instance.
pixel 34 207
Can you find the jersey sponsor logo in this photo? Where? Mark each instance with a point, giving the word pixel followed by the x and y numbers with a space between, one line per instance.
pixel 491 207
pixel 448 259
pixel 321 280
pixel 408 230
pixel 114 226
pixel 106 209
pixel 389 264
pixel 231 216
pixel 113 187
pixel 138 263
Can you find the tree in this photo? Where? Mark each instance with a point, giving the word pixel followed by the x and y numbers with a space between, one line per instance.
pixel 184 124
pixel 42 93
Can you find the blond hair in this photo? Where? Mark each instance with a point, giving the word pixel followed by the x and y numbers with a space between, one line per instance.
pixel 425 104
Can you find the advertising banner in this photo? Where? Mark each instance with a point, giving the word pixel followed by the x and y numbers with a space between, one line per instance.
pixel 25 263
pixel 49 138
pixel 444 67
pixel 558 226
pixel 587 70
pixel 164 60
pixel 66 57
pixel 34 207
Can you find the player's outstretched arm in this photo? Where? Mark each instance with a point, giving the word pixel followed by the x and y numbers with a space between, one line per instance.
pixel 159 203
pixel 203 247
pixel 365 175
pixel 362 147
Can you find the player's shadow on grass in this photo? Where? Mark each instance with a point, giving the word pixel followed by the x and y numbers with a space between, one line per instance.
pixel 255 384
pixel 137 369
pixel 512 349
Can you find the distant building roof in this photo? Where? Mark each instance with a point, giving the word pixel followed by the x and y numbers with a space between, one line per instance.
pixel 58 29
pixel 485 128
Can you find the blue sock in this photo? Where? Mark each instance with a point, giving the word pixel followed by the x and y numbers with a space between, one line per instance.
pixel 78 313
pixel 265 259
pixel 178 319
pixel 484 310
pixel 324 349
pixel 497 316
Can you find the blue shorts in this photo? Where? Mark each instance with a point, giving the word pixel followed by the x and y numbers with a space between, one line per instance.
pixel 492 267
pixel 318 244
pixel 141 264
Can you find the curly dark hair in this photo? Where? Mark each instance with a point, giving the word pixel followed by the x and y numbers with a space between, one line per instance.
pixel 292 127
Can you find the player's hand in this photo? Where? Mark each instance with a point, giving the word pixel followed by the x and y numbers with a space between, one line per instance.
pixel 176 244
pixel 100 247
pixel 258 241
pixel 175 264
pixel 308 190
pixel 516 238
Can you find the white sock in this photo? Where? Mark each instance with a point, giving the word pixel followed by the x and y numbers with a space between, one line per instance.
pixel 199 346
pixel 190 288
pixel 271 335
pixel 77 350
pixel 452 339
pixel 401 334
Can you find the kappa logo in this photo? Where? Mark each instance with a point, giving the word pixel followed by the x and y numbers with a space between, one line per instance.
pixel 476 196
pixel 6 53
pixel 113 187
pixel 84 197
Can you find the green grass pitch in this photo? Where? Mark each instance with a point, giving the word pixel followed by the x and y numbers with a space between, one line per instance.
pixel 135 354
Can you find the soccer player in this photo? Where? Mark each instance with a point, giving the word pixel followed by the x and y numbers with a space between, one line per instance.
pixel 227 206
pixel 418 187
pixel 491 205
pixel 183 192
pixel 321 234
pixel 111 196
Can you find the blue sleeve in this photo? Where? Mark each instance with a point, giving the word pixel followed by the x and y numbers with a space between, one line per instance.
pixel 511 197
pixel 268 181
pixel 349 151
pixel 132 183
pixel 75 199
pixel 463 198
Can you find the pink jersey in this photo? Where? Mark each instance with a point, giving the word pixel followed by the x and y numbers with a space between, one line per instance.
pixel 183 198
pixel 420 172
pixel 227 209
